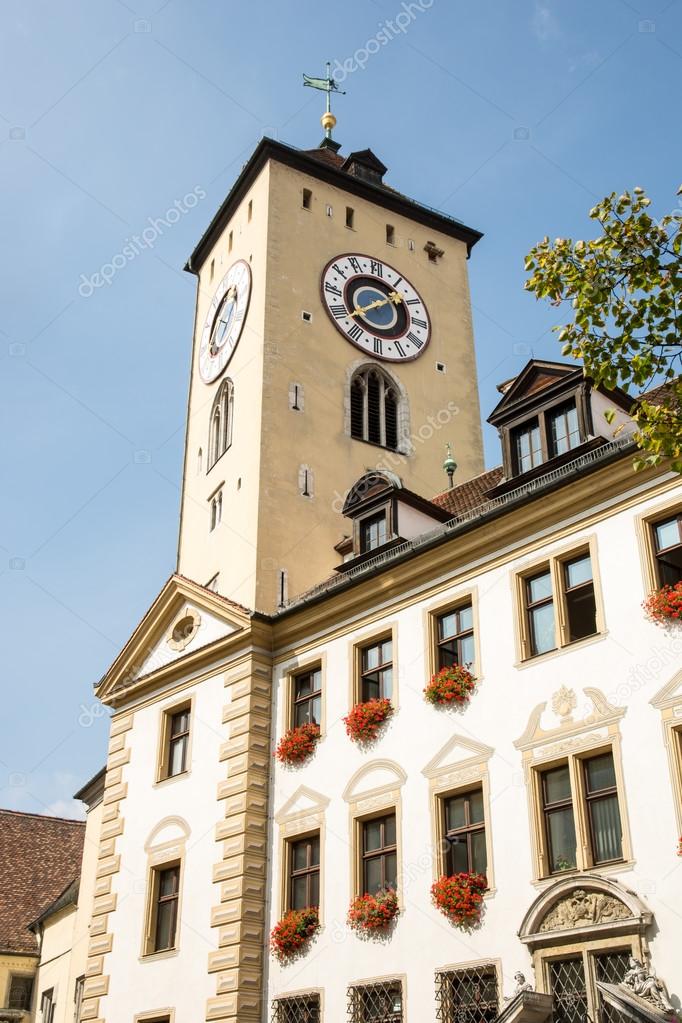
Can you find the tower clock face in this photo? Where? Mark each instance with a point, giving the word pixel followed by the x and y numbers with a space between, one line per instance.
pixel 375 307
pixel 224 321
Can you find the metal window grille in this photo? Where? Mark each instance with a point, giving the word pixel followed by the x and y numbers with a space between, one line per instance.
pixel 567 977
pixel 298 1009
pixel 376 1003
pixel 610 967
pixel 467 996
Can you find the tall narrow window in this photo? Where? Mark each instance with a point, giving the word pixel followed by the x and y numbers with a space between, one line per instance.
pixel 166 898
pixel 390 234
pixel 78 998
pixel 307 199
pixel 249 213
pixel 563 429
pixel 350 217
pixel 527 446
pixel 667 536
pixel 229 241
pixel 601 796
pixel 557 805
pixel 540 612
pixel 373 532
pixel 567 983
pixel 455 637
pixel 47 1006
pixel 304 872
pixel 220 434
pixel 178 741
pixel 307 698
pixel 464 834
pixel 374 408
pixel 581 607
pixel 216 509
pixel 376 667
pixel 379 854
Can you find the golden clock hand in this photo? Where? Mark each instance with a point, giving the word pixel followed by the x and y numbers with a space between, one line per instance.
pixel 394 297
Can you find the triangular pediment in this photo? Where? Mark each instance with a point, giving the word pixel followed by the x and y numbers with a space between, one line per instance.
pixel 458 751
pixel 304 801
pixel 670 695
pixel 184 620
pixel 536 377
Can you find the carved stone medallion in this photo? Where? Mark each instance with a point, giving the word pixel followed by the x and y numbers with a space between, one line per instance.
pixel 583 909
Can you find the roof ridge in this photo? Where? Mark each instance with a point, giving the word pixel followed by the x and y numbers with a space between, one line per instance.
pixel 42 816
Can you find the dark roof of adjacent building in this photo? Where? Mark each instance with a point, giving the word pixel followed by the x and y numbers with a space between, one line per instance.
pixel 664 394
pixel 39 859
pixel 469 495
pixel 326 165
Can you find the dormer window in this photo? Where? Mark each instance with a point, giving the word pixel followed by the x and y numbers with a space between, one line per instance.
pixel 527 446
pixel 373 532
pixel 563 429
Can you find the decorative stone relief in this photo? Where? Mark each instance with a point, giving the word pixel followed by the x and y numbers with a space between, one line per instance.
pixel 646 984
pixel 569 745
pixel 563 702
pixel 521 985
pixel 583 909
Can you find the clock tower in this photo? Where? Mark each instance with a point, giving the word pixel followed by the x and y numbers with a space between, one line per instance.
pixel 332 336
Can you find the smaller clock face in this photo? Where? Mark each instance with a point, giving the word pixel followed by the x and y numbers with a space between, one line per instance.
pixel 375 307
pixel 224 321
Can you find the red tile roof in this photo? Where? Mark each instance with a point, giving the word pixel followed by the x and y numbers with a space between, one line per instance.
pixel 664 394
pixel 326 156
pixel 39 857
pixel 469 495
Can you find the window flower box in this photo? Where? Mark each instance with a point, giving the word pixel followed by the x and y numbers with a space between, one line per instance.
pixel 665 605
pixel 297 744
pixel 292 933
pixel 460 898
pixel 372 913
pixel 365 719
pixel 450 686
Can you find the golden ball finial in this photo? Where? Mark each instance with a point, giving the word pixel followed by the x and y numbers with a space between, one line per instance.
pixel 328 121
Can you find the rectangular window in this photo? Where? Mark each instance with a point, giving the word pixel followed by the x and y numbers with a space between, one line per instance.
pixel 307 698
pixel 304 872
pixel 350 217
pixel 467 996
pixel 567 984
pixel 527 446
pixel 229 241
pixel 376 671
pixel 78 998
pixel 464 833
pixel 165 899
pixel 557 807
pixel 250 210
pixel 581 607
pixel 455 637
pixel 20 992
pixel 307 199
pixel 540 613
pixel 667 537
pixel 178 741
pixel 376 1003
pixel 563 429
pixel 379 854
pixel 329 211
pixel 297 1009
pixel 47 1006
pixel 390 234
pixel 373 532
pixel 601 796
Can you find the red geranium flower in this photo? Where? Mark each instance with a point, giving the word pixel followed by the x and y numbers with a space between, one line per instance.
pixel 460 897
pixel 450 685
pixel 294 931
pixel 373 912
pixel 665 605
pixel 297 744
pixel 365 719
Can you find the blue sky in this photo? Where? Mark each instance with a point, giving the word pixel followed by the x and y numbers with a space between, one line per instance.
pixel 515 118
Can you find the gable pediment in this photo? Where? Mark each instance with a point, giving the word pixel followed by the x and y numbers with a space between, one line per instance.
pixel 670 696
pixel 458 752
pixel 183 620
pixel 534 379
pixel 305 802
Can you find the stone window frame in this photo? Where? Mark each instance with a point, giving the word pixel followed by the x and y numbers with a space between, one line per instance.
pixel 386 979
pixel 166 714
pixel 554 561
pixel 432 612
pixel 360 643
pixel 309 992
pixel 404 446
pixel 162 856
pixel 368 804
pixel 165 1015
pixel 645 538
pixel 493 963
pixel 668 701
pixel 287 682
pixel 292 826
pixel 573 741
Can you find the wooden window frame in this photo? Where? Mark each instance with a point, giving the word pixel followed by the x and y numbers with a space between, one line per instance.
pixel 295 701
pixel 467 830
pixel 165 738
pixel 52 1005
pixel 543 413
pixel 645 524
pixel 290 873
pixel 555 563
pixel 386 509
pixel 153 900
pixel 436 611
pixel 382 852
pixel 361 673
pixel 585 858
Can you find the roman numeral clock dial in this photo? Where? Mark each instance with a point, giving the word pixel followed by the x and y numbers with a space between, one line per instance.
pixel 375 307
pixel 224 321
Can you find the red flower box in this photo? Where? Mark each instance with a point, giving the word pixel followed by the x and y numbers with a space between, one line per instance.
pixel 373 912
pixel 450 685
pixel 460 897
pixel 293 932
pixel 665 605
pixel 297 744
pixel 365 719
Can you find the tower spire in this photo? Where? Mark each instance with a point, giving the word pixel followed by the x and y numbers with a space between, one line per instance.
pixel 328 120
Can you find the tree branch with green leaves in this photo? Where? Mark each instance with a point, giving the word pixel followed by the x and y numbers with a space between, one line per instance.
pixel 625 290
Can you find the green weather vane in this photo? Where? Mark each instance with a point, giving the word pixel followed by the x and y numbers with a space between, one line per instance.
pixel 329 86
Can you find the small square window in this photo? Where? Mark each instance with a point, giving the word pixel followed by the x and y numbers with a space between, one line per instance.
pixel 350 217
pixel 20 992
pixel 441 367
pixel 306 316
pixel 307 199
pixel 297 1009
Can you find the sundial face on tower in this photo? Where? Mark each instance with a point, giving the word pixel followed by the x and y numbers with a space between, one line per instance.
pixel 224 321
pixel 375 307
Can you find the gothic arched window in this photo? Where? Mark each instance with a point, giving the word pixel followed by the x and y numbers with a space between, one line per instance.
pixel 220 427
pixel 374 407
